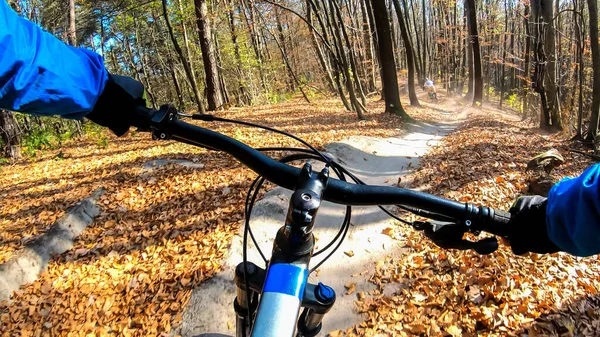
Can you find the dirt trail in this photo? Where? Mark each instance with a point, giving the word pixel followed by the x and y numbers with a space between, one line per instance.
pixel 379 161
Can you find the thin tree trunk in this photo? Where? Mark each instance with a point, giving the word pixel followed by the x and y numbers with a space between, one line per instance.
pixel 243 96
pixel 9 132
pixel 375 40
pixel 186 48
pixel 424 57
pixel 502 77
pixel 318 51
pixel 409 56
pixel 593 126
pixel 416 56
pixel 250 24
pixel 214 96
pixel 581 46
pixel 72 32
pixel 470 66
pixel 541 77
pixel 526 75
pixel 186 66
pixel 351 56
pixel 478 79
pixel 418 41
pixel 142 62
pixel 513 72
pixel 368 42
pixel 176 82
pixel 344 65
pixel 550 78
pixel 290 77
pixel 102 38
pixel 222 83
pixel 286 61
pixel 72 40
pixel 462 51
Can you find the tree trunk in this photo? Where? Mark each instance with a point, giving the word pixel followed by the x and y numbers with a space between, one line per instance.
pixel 351 56
pixel 186 66
pixel 550 78
pixel 321 57
pixel 284 52
pixel 175 80
pixel 286 61
pixel 72 39
pixel 189 59
pixel 9 132
pixel 526 70
pixel 244 96
pixel 368 42
pixel 409 56
pixel 513 71
pixel 580 47
pixel 72 32
pixel 386 56
pixel 142 61
pixel 375 40
pixel 593 127
pixel 502 79
pixel 478 79
pixel 544 46
pixel 470 67
pixel 222 83
pixel 250 24
pixel 214 96
pixel 424 55
pixel 343 66
pixel 420 76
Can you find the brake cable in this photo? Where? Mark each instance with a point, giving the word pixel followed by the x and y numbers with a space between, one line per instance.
pixel 314 154
pixel 325 158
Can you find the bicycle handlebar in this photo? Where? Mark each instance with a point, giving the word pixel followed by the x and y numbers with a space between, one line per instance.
pixel 166 125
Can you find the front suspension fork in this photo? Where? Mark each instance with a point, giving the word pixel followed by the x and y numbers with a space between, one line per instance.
pixel 243 309
pixel 317 301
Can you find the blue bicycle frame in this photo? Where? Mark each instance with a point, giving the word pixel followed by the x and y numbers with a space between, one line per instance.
pixel 281 300
pixel 284 287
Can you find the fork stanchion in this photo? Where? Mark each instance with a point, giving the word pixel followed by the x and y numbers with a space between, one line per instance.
pixel 256 279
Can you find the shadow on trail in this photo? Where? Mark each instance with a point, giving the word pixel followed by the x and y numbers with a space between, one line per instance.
pixel 135 230
pixel 577 317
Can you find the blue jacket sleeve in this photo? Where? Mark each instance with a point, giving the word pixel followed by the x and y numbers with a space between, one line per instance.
pixel 39 74
pixel 573 213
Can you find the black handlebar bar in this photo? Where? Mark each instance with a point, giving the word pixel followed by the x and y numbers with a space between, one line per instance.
pixel 166 125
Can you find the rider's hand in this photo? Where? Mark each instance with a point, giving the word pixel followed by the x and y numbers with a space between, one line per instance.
pixel 118 106
pixel 527 230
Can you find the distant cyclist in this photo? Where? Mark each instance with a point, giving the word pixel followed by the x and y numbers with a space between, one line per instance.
pixel 41 75
pixel 430 88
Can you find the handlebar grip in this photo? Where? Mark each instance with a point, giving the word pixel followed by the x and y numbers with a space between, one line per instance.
pixel 497 224
pixel 501 217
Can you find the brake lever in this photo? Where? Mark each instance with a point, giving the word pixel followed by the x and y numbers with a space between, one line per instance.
pixel 449 235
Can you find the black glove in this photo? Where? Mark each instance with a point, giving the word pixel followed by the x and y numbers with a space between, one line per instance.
pixel 120 105
pixel 527 230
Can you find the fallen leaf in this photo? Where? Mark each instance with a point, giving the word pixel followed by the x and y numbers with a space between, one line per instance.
pixel 454 331
pixel 350 288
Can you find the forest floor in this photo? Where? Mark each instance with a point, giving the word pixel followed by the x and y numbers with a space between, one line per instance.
pixel 165 231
